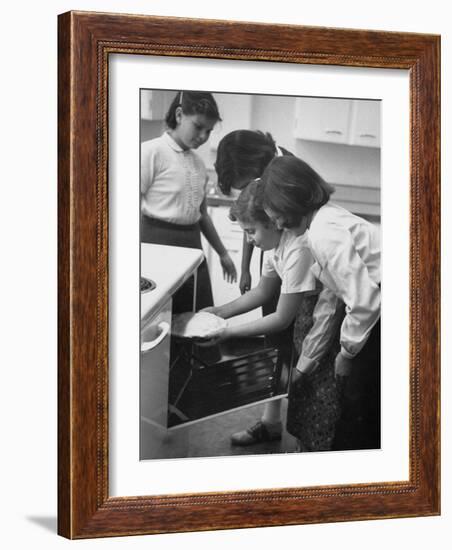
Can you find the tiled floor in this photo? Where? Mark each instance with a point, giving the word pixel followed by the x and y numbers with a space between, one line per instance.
pixel 211 437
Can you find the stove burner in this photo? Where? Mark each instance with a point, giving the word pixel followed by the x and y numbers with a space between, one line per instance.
pixel 146 285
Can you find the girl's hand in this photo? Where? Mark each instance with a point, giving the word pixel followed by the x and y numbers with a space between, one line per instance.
pixel 229 271
pixel 245 282
pixel 296 376
pixel 215 310
pixel 214 338
pixel 210 309
pixel 342 365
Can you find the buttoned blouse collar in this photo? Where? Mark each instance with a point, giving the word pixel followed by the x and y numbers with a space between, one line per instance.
pixel 172 143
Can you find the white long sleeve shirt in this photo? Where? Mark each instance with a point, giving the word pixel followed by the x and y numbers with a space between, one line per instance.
pixel 346 250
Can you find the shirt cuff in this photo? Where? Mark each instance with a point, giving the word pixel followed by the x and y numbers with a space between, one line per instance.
pixel 306 365
pixel 346 353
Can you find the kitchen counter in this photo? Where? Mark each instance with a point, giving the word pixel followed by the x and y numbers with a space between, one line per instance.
pixel 369 209
pixel 169 267
pixel 219 200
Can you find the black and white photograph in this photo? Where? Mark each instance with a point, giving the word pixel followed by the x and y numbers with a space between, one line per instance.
pixel 260 281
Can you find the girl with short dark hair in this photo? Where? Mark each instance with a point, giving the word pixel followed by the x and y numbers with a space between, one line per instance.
pixel 346 250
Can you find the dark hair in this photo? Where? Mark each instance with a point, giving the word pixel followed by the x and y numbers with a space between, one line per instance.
pixel 293 189
pixel 192 103
pixel 248 208
pixel 242 154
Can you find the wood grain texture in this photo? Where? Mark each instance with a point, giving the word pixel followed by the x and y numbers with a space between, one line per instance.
pixel 64 295
pixel 85 42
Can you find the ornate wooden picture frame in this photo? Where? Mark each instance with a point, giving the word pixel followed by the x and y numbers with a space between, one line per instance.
pixel 86 40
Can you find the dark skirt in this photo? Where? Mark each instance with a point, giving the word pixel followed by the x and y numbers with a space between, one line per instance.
pixel 360 421
pixel 188 236
pixel 314 404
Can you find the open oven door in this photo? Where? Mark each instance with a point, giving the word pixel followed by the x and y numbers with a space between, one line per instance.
pixel 206 382
pixel 182 383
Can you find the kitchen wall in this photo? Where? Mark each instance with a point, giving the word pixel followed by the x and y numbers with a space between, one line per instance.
pixel 353 170
pixel 342 164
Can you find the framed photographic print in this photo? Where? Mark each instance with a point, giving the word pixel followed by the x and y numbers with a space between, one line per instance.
pixel 193 391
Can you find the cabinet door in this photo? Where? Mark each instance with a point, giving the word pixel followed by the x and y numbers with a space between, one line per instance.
pixel 154 367
pixel 365 123
pixel 320 119
pixel 232 237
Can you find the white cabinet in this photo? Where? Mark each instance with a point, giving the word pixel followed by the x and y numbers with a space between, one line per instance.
pixel 319 119
pixel 365 123
pixel 342 121
pixel 232 237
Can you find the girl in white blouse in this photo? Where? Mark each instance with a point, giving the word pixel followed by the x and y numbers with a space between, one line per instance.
pixel 173 189
pixel 346 250
pixel 242 156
